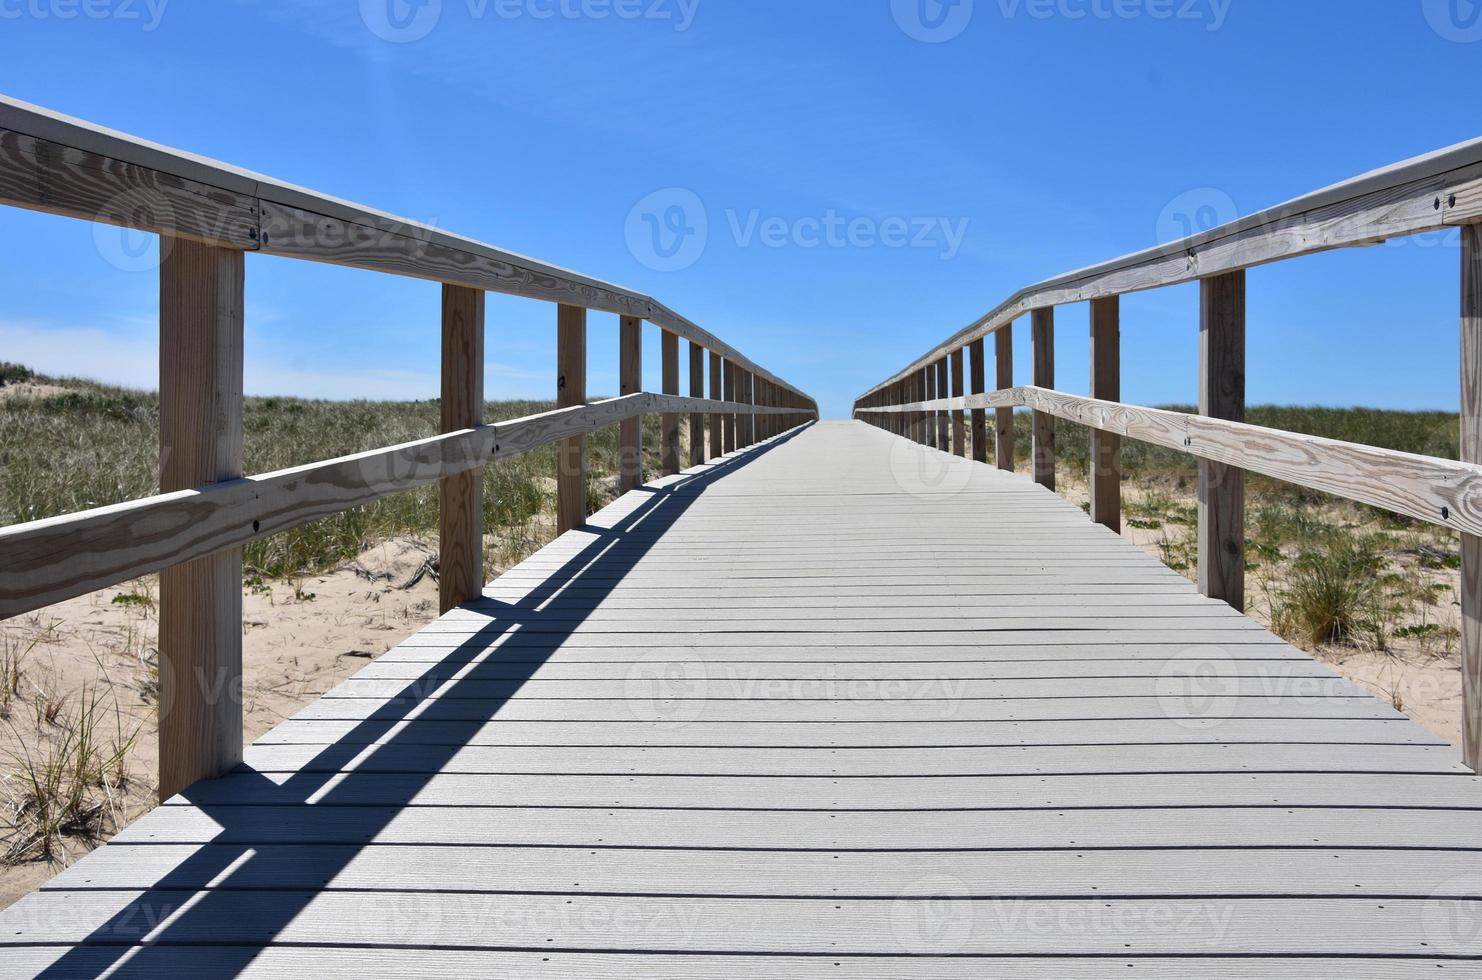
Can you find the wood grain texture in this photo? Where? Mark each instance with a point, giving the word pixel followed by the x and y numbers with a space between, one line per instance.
pixel 978 379
pixel 728 420
pixel 772 768
pixel 200 601
pixel 697 390
pixel 48 561
pixel 63 165
pixel 717 393
pixel 1407 198
pixel 1441 492
pixel 1003 419
pixel 943 419
pixel 630 382
pixel 1471 452
pixel 461 497
pixel 1042 339
pixel 1222 396
pixel 959 418
pixel 571 390
pixel 669 421
pixel 1106 385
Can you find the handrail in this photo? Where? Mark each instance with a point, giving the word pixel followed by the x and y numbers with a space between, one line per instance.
pixel 58 558
pixel 63 165
pixel 210 214
pixel 1428 193
pixel 1438 491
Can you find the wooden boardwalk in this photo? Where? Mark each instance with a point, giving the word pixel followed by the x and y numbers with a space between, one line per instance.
pixel 833 706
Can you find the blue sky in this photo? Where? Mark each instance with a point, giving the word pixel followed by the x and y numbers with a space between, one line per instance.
pixel 865 176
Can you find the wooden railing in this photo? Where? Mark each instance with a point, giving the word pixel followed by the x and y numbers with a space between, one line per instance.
pixel 1431 193
pixel 209 216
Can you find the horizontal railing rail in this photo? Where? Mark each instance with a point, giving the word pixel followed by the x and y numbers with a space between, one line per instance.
pixel 209 215
pixel 932 402
pixel 108 545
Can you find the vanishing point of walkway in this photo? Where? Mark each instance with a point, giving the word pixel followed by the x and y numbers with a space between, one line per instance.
pixel 833 706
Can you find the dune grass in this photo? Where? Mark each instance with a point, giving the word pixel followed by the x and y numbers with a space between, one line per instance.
pixel 89 445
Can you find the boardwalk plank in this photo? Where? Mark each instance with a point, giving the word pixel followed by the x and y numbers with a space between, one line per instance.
pixel 820 710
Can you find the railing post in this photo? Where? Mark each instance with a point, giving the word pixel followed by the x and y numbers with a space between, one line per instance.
pixel 944 423
pixel 571 390
pixel 978 379
pixel 669 421
pixel 1042 323
pixel 1471 452
pixel 200 602
pixel 1106 384
pixel 461 497
pixel 630 382
pixel 931 415
pixel 748 395
pixel 730 416
pixel 697 390
pixel 1003 438
pixel 717 420
pixel 1222 396
pixel 959 417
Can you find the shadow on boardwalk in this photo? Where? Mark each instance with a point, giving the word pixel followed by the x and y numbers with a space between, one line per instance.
pixel 186 911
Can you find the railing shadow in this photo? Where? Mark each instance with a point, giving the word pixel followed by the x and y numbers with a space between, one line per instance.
pixel 180 907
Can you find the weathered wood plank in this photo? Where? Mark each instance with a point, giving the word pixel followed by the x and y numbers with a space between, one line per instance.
pixel 1471 452
pixel 1003 352
pixel 1043 338
pixel 630 382
pixel 200 601
pixel 1106 385
pixel 1221 531
pixel 461 497
pixel 571 390
pixel 157 962
pixel 697 390
pixel 1407 198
